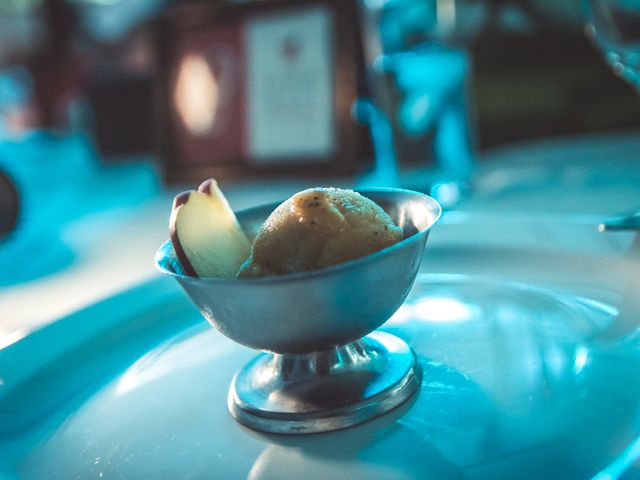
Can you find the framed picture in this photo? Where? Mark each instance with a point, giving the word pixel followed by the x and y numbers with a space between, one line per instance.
pixel 256 88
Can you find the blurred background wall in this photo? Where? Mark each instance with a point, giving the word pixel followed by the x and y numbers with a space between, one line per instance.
pixel 88 65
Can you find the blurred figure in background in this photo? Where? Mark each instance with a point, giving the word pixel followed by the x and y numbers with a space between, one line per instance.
pixel 452 78
pixel 420 66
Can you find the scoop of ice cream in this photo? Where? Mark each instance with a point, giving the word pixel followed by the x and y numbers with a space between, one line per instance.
pixel 317 228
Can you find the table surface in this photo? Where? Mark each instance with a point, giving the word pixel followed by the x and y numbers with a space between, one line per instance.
pixel 111 249
pixel 543 383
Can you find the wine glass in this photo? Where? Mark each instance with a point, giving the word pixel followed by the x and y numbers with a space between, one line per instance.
pixel 615 27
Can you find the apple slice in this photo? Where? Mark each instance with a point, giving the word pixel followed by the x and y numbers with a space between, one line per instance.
pixel 205 233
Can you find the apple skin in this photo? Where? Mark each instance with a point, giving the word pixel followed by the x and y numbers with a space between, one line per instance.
pixel 208 186
pixel 206 236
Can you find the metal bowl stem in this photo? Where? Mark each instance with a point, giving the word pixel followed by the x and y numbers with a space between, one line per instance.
pixel 323 391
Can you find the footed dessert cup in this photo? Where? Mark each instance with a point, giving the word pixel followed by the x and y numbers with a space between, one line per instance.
pixel 321 367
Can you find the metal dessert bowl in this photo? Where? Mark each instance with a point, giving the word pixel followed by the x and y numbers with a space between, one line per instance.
pixel 321 370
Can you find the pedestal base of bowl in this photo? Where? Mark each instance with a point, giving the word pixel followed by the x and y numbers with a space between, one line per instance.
pixel 327 390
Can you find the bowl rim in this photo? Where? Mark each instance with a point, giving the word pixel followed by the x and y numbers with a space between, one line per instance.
pixel 311 274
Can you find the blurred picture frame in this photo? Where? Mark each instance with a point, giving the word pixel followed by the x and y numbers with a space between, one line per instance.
pixel 259 88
